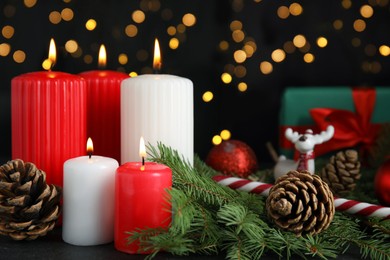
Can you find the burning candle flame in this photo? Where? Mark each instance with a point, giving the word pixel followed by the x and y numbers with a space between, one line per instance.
pixel 142 151
pixel 52 52
pixel 157 56
pixel 102 57
pixel 89 147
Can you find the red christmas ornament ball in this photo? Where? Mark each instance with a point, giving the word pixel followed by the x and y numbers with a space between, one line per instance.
pixel 382 184
pixel 233 157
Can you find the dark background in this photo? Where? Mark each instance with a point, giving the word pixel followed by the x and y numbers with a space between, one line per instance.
pixel 351 58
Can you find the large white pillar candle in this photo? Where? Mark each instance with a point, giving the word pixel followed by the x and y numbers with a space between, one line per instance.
pixel 89 200
pixel 160 108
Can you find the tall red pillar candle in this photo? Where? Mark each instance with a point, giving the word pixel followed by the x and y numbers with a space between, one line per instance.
pixel 48 111
pixel 140 201
pixel 103 108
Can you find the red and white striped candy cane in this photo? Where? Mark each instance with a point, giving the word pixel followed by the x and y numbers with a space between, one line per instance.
pixel 344 205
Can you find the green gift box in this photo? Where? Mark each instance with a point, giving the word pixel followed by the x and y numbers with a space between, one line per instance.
pixel 297 102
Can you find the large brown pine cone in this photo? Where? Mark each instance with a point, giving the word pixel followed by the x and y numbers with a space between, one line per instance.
pixel 341 172
pixel 29 207
pixel 301 203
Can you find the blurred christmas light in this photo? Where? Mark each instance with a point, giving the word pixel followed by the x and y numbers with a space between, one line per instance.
pixel 216 140
pixel 181 28
pixel 346 4
pixel 322 42
pixel 138 16
pixel 29 3
pixel 289 47
pixel 8 31
pixel 229 68
pixel 384 50
pixel 133 74
pixel 19 56
pixel 235 25
pixel 131 30
pixel 88 59
pixel 366 11
pixel 238 35
pixel 207 96
pixel 338 24
pixel 266 67
pixel 278 55
pixel 223 45
pixel 122 59
pixel 171 30
pixel 173 43
pixel 78 53
pixel 67 14
pixel 359 25
pixel 240 71
pixel 55 17
pixel 225 134
pixel 283 12
pixel 299 41
pixel 295 9
pixel 46 64
pixel 305 48
pixel 71 46
pixel 189 20
pixel 308 58
pixel 239 56
pixel 242 86
pixel 90 25
pixel 5 49
pixel 226 78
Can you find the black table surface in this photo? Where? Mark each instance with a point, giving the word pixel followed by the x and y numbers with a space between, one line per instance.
pixel 52 246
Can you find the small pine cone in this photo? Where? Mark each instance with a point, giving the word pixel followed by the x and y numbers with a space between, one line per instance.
pixel 341 172
pixel 29 207
pixel 301 203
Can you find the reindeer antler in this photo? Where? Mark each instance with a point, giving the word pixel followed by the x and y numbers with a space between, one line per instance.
pixel 324 135
pixel 291 136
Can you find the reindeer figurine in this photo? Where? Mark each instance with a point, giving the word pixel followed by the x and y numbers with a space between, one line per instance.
pixel 304 143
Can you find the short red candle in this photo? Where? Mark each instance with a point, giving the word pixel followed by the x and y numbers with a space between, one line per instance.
pixel 103 108
pixel 48 122
pixel 140 200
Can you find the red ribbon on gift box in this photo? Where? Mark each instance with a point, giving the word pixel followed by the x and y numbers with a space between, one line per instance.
pixel 351 128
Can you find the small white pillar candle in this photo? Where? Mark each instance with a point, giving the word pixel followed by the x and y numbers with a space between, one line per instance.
pixel 89 200
pixel 160 108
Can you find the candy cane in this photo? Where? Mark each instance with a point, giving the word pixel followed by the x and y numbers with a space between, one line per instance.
pixel 344 205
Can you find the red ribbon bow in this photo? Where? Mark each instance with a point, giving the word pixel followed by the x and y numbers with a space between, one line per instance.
pixel 351 128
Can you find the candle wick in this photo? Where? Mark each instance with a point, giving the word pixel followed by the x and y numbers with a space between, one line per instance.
pixel 89 155
pixel 143 161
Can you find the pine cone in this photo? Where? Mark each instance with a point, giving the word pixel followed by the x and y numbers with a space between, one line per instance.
pixel 301 203
pixel 341 172
pixel 29 207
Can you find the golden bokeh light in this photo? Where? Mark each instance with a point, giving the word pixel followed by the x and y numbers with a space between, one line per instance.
pixel 359 25
pixel 8 31
pixel 239 56
pixel 133 74
pixel 242 86
pixel 322 42
pixel 171 30
pixel 235 25
pixel 71 46
pixel 249 50
pixel 308 58
pixel 90 25
pixel 173 43
pixel 266 67
pixel 19 56
pixel 299 41
pixel 278 55
pixel 238 35
pixel 55 17
pixel 88 59
pixel 346 4
pixel 295 9
pixel 207 96
pixel 138 16
pixel 216 140
pixel 123 59
pixel 225 134
pixel 338 24
pixel 289 47
pixel 223 45
pixel 181 28
pixel 283 12
pixel 29 3
pixel 46 64
pixel 366 11
pixel 240 71
pixel 67 14
pixel 226 78
pixel 5 49
pixel 305 48
pixel 131 30
pixel 384 50
pixel 229 68
pixel 189 20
